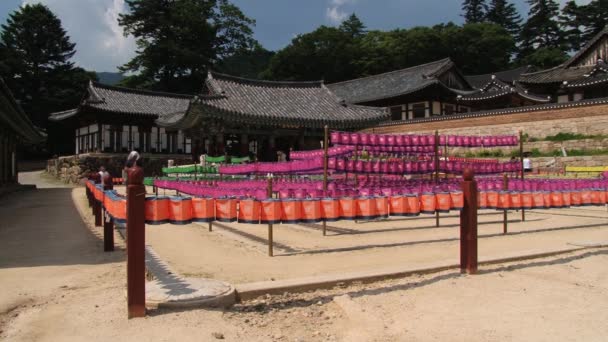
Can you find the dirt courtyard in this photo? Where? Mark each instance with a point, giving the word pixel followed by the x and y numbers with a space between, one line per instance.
pixel 58 285
pixel 238 253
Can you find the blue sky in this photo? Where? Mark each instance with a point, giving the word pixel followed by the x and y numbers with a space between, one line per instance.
pixel 101 46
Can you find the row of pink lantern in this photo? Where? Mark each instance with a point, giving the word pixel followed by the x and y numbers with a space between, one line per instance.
pixel 305 165
pixel 349 138
pixel 334 151
pixel 399 149
pixel 419 167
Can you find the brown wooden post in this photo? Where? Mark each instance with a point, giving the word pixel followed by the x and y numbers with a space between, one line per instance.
pixel 505 187
pixel 136 237
pixel 468 224
pixel 270 238
pixel 108 223
pixel 97 206
pixel 445 157
pixel 521 160
pixel 436 171
pixel 325 143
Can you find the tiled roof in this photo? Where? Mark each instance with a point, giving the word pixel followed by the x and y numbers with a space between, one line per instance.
pixel 121 100
pixel 13 118
pixel 497 88
pixel 309 104
pixel 501 111
pixel 507 76
pixel 557 74
pixel 392 84
pixel 596 79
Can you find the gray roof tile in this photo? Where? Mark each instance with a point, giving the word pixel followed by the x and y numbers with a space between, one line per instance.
pixel 392 84
pixel 276 103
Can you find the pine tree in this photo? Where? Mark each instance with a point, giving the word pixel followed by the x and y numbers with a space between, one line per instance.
pixel 570 22
pixel 594 18
pixel 541 29
pixel 179 40
pixel 474 11
pixel 353 26
pixel 504 13
pixel 36 53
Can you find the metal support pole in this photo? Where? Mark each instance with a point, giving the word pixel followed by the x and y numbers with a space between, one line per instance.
pixel 436 171
pixel 325 143
pixel 505 187
pixel 136 237
pixel 521 160
pixel 270 238
pixel 468 224
pixel 108 223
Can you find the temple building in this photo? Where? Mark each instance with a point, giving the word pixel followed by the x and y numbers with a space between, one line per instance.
pixel 583 76
pixel 500 90
pixel 15 129
pixel 437 89
pixel 116 119
pixel 237 116
pixel 417 92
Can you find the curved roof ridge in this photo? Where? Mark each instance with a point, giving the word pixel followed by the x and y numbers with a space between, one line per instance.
pixel 444 60
pixel 264 83
pixel 544 70
pixel 499 72
pixel 139 91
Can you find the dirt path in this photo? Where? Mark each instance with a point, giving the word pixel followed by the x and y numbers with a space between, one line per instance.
pixel 57 285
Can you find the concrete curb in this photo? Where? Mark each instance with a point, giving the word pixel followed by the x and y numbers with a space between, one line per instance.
pixel 250 291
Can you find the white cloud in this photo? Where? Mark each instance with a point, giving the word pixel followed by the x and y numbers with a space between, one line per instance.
pixel 93 26
pixel 335 13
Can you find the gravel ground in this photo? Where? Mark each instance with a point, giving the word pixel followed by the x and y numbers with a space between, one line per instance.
pixel 60 286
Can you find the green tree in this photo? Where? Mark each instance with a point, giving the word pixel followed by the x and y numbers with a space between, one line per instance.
pixel 594 19
pixel 478 48
pixel 353 26
pixel 248 63
pixel 504 13
pixel 35 63
pixel 179 40
pixel 580 23
pixel 541 29
pixel 570 22
pixel 545 58
pixel 326 53
pixel 474 10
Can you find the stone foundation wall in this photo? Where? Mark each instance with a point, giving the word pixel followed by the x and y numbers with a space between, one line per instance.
pixel 589 120
pixel 542 146
pixel 72 169
pixel 561 162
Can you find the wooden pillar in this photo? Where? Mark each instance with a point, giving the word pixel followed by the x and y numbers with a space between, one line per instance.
pixel 270 237
pixel 219 145
pixel 505 187
pixel 521 160
pixel 244 145
pixel 108 223
pixel 436 163
pixel 325 147
pixel 136 237
pixel 468 224
pixel 3 158
pixel 97 206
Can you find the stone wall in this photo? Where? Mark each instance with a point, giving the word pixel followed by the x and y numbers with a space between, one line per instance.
pixel 561 162
pixel 72 169
pixel 590 120
pixel 542 146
